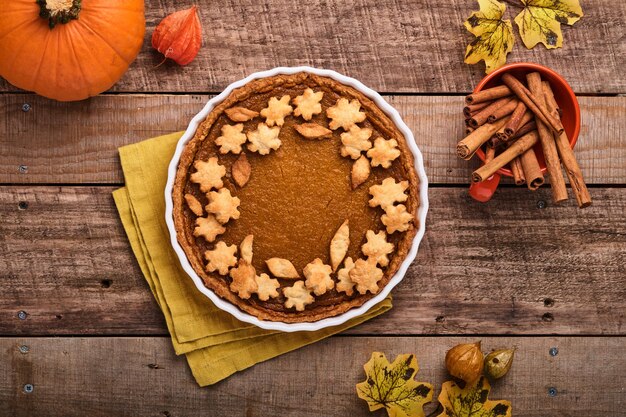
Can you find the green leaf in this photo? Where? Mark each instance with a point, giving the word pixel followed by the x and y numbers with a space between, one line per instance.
pixel 392 386
pixel 471 401
pixel 494 36
pixel 540 21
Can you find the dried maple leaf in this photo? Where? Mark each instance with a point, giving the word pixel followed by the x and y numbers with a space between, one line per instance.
pixel 540 21
pixel 179 36
pixel 391 385
pixel 471 401
pixel 494 36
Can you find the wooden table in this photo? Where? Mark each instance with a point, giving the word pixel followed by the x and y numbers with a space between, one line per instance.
pixel 78 322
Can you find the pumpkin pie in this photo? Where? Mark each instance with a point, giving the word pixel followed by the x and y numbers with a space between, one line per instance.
pixel 296 198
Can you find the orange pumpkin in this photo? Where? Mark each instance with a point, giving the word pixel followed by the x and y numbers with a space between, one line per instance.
pixel 69 49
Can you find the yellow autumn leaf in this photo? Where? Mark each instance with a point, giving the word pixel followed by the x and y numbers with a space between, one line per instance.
pixel 540 21
pixel 391 385
pixel 471 401
pixel 494 36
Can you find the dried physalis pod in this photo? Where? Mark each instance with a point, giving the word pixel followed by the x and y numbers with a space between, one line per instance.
pixel 313 131
pixel 308 104
pixel 355 141
pixel 377 248
pixel 339 245
pixel 221 258
pixel 240 114
pixel 396 219
pixel 360 171
pixel 264 139
pixel 282 268
pixel 297 296
pixel 498 363
pixel 266 287
pixel 232 138
pixel 223 205
pixel 277 110
pixel 208 174
pixel 465 361
pixel 345 114
pixel 208 227
pixel 241 170
pixel 318 277
pixel 388 193
pixel 366 275
pixel 194 205
pixel 384 152
pixel 245 248
pixel 345 283
pixel 244 280
pixel 178 36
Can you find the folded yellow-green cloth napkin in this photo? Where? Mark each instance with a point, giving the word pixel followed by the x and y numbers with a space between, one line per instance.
pixel 215 343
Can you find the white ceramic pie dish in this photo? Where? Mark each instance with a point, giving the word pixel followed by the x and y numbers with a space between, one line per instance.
pixel 331 321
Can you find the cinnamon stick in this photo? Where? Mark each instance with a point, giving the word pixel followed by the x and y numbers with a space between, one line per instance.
pixel 468 130
pixel 468 146
pixel 572 169
pixel 528 124
pixel 550 153
pixel 490 153
pixel 488 94
pixel 530 166
pixel 515 122
pixel 518 173
pixel 481 117
pixel 471 109
pixel 505 110
pixel 517 148
pixel 531 101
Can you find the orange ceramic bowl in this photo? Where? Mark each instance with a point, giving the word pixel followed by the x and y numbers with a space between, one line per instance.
pixel 565 98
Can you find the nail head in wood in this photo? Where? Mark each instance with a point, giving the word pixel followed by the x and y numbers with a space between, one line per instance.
pixel 25 107
pixel 23 169
pixel 22 205
pixel 28 388
pixel 541 204
pixel 552 392
pixel 554 351
pixel 24 349
pixel 22 315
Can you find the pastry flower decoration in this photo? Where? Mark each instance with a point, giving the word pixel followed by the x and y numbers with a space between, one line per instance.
pixel 355 141
pixel 223 205
pixel 221 258
pixel 345 114
pixel 297 296
pixel 208 174
pixel 232 138
pixel 277 110
pixel 308 104
pixel 388 192
pixel 264 139
pixel 318 277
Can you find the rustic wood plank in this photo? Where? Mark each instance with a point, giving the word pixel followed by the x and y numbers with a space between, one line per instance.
pixel 142 377
pixel 394 46
pixel 498 268
pixel 58 149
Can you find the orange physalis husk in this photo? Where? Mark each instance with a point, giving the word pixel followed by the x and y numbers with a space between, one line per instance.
pixel 179 36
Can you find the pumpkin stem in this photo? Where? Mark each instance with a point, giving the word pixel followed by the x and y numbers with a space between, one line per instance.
pixel 59 11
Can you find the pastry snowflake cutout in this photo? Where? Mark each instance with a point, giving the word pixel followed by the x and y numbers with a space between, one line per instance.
pixel 345 283
pixel 308 104
pixel 345 114
pixel 318 277
pixel 355 141
pixel 396 219
pixel 384 152
pixel 266 287
pixel 208 174
pixel 366 275
pixel 277 110
pixel 377 248
pixel 223 205
pixel 388 193
pixel 297 296
pixel 264 139
pixel 244 280
pixel 232 138
pixel 208 227
pixel 221 258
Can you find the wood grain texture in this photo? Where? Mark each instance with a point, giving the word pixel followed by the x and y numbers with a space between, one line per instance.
pixel 499 268
pixel 390 45
pixel 77 142
pixel 142 377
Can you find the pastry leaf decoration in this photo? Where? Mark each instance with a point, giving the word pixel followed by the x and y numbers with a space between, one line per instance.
pixel 471 401
pixel 391 386
pixel 494 36
pixel 540 21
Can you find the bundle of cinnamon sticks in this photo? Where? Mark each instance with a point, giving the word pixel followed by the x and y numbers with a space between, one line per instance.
pixel 507 121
